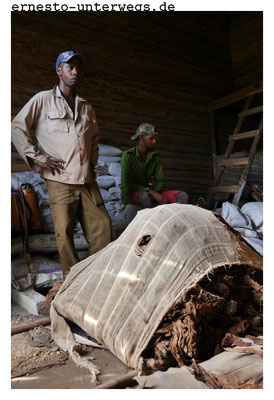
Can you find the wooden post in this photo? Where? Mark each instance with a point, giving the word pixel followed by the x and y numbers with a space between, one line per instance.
pixel 124 379
pixel 26 326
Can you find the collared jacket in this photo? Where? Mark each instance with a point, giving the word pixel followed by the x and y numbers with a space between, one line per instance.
pixel 136 174
pixel 46 127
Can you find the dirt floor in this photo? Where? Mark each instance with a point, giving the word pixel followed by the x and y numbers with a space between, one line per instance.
pixel 37 363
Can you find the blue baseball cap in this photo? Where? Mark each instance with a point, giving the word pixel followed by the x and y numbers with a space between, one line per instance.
pixel 67 55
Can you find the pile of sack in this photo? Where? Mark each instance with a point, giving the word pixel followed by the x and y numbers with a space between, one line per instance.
pixel 247 220
pixel 108 172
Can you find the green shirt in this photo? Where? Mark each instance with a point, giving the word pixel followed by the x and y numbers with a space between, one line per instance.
pixel 136 173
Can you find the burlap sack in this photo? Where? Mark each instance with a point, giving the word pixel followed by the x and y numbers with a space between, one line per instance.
pixel 120 295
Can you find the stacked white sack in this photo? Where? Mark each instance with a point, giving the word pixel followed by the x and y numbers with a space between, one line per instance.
pixel 248 221
pixel 109 182
pixel 38 183
pixel 41 191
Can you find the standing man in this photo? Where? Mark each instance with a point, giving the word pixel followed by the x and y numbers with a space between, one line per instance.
pixel 56 133
pixel 140 165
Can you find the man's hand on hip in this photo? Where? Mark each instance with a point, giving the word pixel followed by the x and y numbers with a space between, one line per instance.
pixel 53 165
pixel 158 197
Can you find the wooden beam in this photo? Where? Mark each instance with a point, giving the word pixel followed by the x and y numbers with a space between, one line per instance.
pixel 244 135
pixel 233 161
pixel 26 326
pixel 251 111
pixel 224 189
pixel 122 380
pixel 233 97
pixel 245 172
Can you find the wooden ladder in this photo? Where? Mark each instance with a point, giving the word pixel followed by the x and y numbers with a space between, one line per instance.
pixel 247 161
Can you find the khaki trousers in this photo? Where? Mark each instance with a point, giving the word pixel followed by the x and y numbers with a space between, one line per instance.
pixel 85 202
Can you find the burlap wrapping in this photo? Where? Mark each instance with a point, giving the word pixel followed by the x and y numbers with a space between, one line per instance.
pixel 120 295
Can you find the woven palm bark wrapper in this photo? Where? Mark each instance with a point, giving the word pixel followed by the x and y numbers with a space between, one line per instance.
pixel 120 295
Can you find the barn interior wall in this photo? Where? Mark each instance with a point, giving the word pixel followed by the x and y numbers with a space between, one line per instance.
pixel 246 45
pixel 246 40
pixel 162 68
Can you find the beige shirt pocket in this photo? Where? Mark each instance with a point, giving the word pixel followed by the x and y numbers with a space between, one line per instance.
pixel 57 123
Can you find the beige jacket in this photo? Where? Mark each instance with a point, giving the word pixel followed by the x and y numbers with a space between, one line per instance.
pixel 45 128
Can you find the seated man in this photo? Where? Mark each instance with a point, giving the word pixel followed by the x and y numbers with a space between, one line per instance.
pixel 139 165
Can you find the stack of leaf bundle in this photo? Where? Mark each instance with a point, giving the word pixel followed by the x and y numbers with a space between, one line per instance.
pixel 230 301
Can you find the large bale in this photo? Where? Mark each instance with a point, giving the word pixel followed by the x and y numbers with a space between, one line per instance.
pixel 120 295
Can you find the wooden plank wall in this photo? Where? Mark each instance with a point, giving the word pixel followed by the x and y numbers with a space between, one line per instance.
pixel 246 32
pixel 246 43
pixel 162 68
